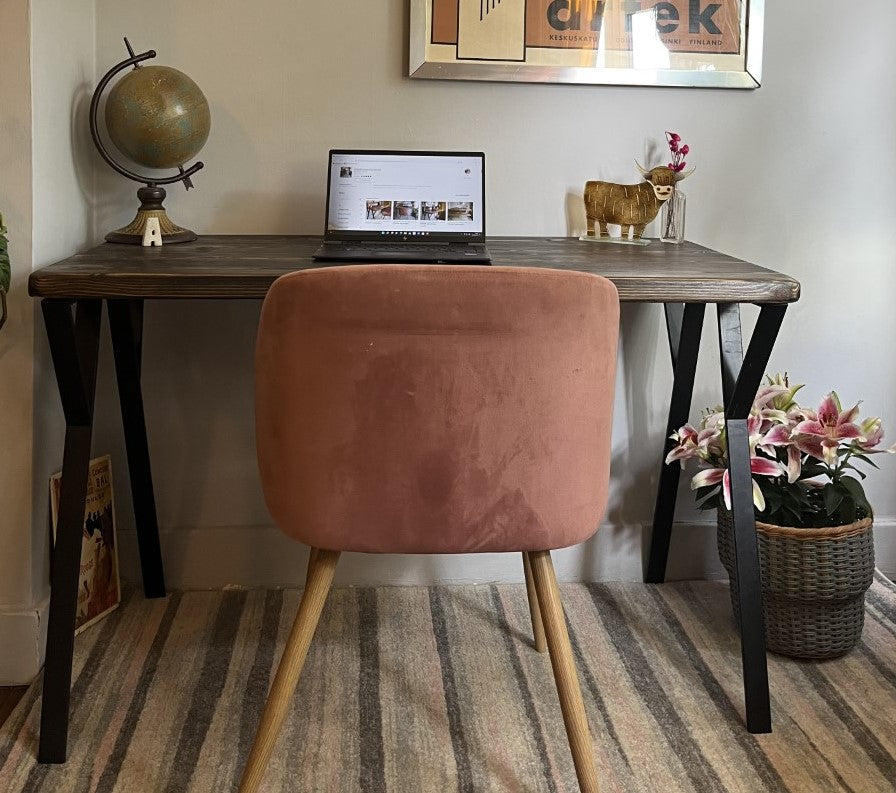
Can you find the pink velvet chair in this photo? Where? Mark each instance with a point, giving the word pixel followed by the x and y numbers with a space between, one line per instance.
pixel 436 409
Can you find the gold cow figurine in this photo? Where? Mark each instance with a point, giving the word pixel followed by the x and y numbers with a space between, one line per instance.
pixel 630 205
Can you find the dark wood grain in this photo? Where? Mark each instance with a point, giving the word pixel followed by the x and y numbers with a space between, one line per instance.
pixel 245 266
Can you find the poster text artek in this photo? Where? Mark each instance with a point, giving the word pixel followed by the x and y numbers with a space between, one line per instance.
pixel 681 25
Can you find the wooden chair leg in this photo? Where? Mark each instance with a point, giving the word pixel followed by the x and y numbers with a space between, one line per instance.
pixel 317 585
pixel 564 670
pixel 534 610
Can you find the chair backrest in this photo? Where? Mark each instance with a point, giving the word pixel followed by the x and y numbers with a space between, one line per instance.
pixel 436 408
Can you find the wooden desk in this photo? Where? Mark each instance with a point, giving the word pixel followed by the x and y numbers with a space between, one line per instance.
pixel 683 277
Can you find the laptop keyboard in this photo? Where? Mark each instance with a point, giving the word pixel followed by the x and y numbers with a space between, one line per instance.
pixel 405 251
pixel 377 248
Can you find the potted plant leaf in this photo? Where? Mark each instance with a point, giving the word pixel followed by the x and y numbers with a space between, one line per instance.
pixel 5 273
pixel 813 520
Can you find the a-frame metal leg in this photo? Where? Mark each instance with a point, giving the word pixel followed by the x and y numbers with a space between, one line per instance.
pixel 74 346
pixel 126 326
pixel 685 325
pixel 741 378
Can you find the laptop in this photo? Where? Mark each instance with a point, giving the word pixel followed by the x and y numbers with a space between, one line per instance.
pixel 405 206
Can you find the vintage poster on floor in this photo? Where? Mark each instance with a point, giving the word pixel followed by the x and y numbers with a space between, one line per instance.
pixel 99 586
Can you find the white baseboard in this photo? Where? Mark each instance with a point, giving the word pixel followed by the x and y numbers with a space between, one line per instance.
pixel 24 639
pixel 260 556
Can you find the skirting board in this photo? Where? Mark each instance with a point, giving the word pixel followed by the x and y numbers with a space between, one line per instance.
pixel 260 556
pixel 23 634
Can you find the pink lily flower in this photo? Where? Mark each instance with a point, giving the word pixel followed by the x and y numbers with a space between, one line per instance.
pixel 768 394
pixel 685 445
pixel 758 465
pixel 811 445
pixel 710 444
pixel 776 400
pixel 780 435
pixel 776 423
pixel 772 417
pixel 873 434
pixel 832 425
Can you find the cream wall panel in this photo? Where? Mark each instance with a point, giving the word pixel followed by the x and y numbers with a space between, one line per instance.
pixel 795 176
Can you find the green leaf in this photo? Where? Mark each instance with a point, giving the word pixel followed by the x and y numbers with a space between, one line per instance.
pixel 774 499
pixel 848 512
pixel 851 467
pixel 832 497
pixel 855 489
pixel 708 497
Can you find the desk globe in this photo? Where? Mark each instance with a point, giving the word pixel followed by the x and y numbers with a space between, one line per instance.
pixel 157 117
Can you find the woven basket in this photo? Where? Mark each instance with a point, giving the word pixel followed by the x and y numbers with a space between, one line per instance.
pixel 813 584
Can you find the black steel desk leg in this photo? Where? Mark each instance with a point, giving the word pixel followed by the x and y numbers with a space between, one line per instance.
pixel 126 325
pixel 74 346
pixel 738 401
pixel 684 324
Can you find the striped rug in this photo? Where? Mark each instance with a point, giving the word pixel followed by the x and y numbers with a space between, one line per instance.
pixel 418 690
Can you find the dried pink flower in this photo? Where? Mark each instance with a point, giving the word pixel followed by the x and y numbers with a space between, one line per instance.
pixel 678 151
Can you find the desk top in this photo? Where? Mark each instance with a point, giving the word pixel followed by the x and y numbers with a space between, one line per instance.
pixel 245 266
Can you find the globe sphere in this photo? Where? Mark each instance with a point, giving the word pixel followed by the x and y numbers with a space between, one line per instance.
pixel 157 116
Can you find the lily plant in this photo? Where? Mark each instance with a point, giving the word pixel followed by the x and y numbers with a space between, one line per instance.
pixel 802 460
pixel 5 272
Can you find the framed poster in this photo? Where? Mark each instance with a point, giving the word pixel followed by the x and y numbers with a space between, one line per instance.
pixel 99 586
pixel 697 43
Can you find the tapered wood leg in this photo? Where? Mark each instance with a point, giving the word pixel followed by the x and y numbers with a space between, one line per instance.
pixel 537 625
pixel 571 702
pixel 320 576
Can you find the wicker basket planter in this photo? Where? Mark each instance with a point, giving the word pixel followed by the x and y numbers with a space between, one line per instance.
pixel 813 584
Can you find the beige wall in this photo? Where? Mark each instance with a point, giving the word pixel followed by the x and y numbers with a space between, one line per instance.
pixel 18 608
pixel 46 65
pixel 794 176
pixel 63 78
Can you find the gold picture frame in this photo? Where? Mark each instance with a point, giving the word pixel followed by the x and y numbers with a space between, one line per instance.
pixel 674 43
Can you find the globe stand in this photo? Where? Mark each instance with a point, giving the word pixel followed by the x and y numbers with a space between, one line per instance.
pixel 152 194
pixel 151 198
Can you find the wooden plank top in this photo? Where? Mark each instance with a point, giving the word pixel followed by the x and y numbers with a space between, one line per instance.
pixel 245 266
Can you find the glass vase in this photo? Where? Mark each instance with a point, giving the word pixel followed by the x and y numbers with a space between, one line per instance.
pixel 672 218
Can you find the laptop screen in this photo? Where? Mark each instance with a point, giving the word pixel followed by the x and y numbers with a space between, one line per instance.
pixel 425 196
